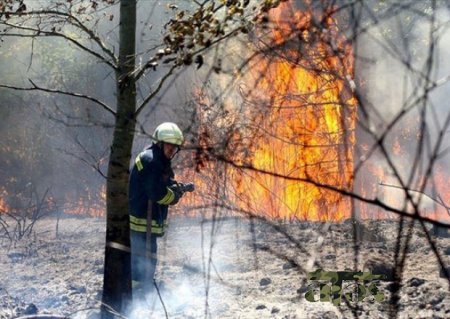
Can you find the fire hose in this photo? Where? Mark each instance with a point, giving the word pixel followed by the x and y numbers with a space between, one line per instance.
pixel 186 187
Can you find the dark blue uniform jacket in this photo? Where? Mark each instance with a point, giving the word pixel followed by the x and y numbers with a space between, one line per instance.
pixel 150 176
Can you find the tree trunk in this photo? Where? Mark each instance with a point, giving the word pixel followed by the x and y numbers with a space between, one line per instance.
pixel 117 275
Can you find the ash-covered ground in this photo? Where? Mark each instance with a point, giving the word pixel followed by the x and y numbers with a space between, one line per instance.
pixel 230 268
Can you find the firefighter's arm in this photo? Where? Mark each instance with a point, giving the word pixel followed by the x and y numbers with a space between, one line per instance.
pixel 160 191
pixel 174 192
pixel 172 196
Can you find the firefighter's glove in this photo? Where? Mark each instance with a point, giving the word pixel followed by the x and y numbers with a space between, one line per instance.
pixel 172 196
pixel 177 192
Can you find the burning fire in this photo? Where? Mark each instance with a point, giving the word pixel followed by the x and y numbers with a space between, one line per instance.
pixel 296 118
pixel 3 205
pixel 298 121
pixel 308 129
pixel 434 202
pixel 89 203
pixel 440 181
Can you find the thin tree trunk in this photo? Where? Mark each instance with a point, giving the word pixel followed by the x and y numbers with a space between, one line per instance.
pixel 117 277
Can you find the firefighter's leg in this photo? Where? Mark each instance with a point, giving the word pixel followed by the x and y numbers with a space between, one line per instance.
pixel 138 260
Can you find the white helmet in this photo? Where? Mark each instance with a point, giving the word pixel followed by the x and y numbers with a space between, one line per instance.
pixel 168 132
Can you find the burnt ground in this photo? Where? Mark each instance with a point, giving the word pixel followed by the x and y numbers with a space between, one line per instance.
pixel 220 269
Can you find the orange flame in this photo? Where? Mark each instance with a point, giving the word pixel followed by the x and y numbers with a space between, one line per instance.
pixel 4 207
pixel 310 136
pixel 441 210
pixel 300 124
pixel 90 203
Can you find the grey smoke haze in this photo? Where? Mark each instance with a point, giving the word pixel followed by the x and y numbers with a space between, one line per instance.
pixel 75 134
pixel 396 52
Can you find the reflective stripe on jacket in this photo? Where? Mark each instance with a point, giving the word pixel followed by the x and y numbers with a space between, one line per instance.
pixel 140 225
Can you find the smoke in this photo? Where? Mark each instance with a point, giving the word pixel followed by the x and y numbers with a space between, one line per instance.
pixel 399 57
pixel 50 141
pixel 173 301
pixel 62 143
pixel 195 260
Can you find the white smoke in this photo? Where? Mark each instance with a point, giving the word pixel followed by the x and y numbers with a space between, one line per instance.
pixel 392 65
pixel 170 300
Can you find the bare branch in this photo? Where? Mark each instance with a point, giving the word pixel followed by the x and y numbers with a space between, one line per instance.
pixel 78 95
pixel 156 90
pixel 39 33
pixel 440 201
pixel 77 23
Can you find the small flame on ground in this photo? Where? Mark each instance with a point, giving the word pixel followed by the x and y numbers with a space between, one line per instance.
pixel 90 203
pixel 4 207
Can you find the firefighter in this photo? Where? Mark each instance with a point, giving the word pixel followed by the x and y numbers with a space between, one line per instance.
pixel 152 188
